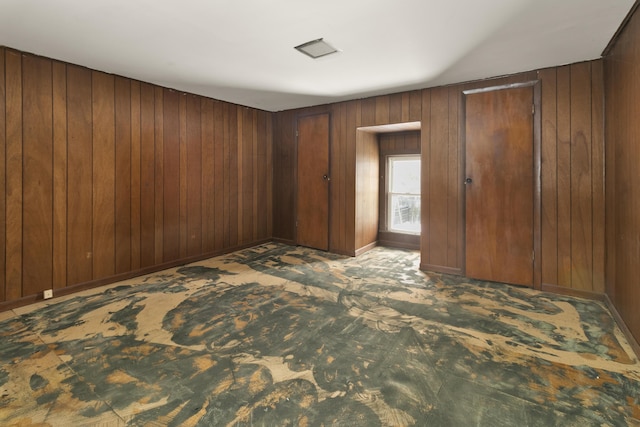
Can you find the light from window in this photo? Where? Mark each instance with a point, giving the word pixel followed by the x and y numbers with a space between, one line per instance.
pixel 403 195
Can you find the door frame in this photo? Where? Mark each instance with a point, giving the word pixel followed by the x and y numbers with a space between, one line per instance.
pixel 295 205
pixel 537 162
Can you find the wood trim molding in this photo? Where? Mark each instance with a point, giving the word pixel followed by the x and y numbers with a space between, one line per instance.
pixel 441 269
pixel 366 248
pixel 635 346
pixel 124 276
pixel 579 293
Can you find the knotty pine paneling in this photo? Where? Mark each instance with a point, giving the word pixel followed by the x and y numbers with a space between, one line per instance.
pixel 622 66
pixel 105 177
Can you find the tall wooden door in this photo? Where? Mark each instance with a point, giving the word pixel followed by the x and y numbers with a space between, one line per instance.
pixel 313 182
pixel 499 185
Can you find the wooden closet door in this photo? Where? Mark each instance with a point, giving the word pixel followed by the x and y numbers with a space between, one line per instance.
pixel 313 182
pixel 500 185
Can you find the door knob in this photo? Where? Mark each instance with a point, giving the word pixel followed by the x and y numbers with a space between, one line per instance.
pixel 326 177
pixel 468 181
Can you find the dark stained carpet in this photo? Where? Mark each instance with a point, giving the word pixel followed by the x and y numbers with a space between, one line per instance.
pixel 278 335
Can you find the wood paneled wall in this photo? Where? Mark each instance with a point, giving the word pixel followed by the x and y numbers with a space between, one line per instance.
pixel 573 177
pixel 367 189
pixel 572 172
pixel 107 177
pixel 622 67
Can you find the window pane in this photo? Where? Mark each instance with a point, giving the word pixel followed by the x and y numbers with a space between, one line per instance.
pixel 405 175
pixel 405 214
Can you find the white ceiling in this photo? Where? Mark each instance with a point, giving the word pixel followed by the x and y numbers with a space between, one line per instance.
pixel 242 51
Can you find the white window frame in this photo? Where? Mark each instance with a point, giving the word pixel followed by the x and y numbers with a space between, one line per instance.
pixel 390 193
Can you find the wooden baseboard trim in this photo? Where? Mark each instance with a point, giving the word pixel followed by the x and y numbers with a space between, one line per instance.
pixel 399 245
pixel 635 346
pixel 30 299
pixel 579 293
pixel 366 248
pixel 284 241
pixel 441 269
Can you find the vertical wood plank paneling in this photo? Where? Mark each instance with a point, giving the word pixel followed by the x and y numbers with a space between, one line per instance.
pixel 564 175
pixel 406 107
pixel 395 108
pixel 581 191
pixel 123 174
pixel 415 105
pixel 122 171
pixel 233 176
pixel 549 196
pixel 135 176
pixel 622 174
pixel 597 162
pixel 353 122
pixel 344 172
pixel 336 233
pixel 453 183
pixel 208 184
pixel 103 174
pixel 79 176
pixel 425 172
pixel 194 174
pixel 13 266
pixel 261 180
pixel 171 185
pixel 59 175
pixel 382 110
pixel 218 146
pixel 158 174
pixel 226 173
pixel 184 235
pixel 147 175
pixel 255 211
pixel 269 172
pixel 37 235
pixel 439 162
pixel 368 112
pixel 3 205
pixel 246 167
pixel 240 146
pixel 612 100
pixel 367 191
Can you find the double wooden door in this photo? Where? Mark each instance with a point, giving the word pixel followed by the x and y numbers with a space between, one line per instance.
pixel 500 185
pixel 312 212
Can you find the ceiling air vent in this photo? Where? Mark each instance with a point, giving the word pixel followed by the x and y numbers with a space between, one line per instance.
pixel 316 48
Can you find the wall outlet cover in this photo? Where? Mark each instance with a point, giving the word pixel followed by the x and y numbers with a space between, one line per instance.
pixel 48 294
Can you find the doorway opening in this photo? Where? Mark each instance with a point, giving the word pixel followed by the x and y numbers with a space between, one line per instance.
pixel 388 186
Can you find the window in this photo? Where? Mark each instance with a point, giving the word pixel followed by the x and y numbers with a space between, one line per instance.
pixel 403 194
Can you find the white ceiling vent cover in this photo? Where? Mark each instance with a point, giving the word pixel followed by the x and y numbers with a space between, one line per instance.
pixel 316 48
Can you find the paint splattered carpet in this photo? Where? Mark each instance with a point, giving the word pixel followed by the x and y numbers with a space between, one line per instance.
pixel 277 335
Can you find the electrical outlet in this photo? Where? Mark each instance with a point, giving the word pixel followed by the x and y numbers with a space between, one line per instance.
pixel 48 294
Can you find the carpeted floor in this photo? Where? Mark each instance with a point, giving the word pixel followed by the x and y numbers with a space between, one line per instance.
pixel 278 335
